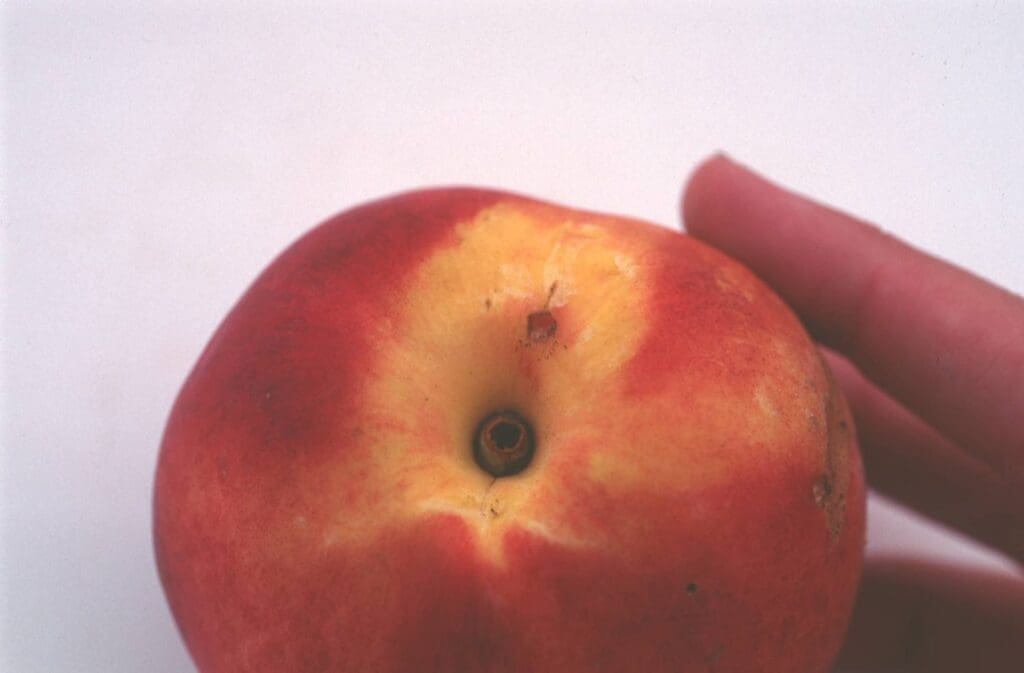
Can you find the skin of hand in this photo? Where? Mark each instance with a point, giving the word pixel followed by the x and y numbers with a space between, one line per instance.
pixel 931 359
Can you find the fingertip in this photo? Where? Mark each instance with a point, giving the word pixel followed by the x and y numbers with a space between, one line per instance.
pixel 701 190
pixel 721 195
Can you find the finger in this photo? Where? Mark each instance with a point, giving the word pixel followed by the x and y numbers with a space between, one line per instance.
pixel 912 617
pixel 945 343
pixel 909 461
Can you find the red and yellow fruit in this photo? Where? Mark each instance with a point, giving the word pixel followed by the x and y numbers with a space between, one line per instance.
pixel 692 499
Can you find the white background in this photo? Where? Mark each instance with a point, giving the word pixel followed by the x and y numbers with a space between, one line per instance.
pixel 154 160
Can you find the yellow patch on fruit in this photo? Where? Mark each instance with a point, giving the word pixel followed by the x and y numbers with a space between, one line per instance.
pixel 458 348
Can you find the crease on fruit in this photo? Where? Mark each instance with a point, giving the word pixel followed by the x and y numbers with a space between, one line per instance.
pixel 484 507
pixel 492 518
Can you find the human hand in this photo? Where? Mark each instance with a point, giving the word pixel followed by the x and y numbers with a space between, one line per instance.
pixel 931 359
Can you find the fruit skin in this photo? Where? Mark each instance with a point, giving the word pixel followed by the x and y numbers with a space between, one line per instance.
pixel 695 503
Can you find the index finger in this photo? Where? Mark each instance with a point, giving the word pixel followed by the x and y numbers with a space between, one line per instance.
pixel 947 344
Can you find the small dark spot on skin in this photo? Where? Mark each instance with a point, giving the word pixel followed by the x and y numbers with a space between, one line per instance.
pixel 842 425
pixel 691 588
pixel 494 512
pixel 487 303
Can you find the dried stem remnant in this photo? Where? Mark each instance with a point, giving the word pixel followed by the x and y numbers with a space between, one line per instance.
pixel 503 444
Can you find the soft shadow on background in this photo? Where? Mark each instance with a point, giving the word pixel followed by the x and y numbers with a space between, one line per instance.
pixel 155 159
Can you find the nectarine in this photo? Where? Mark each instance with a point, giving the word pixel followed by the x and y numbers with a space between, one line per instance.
pixel 462 430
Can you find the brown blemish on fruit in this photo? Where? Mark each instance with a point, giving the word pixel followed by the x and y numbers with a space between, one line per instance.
pixel 487 303
pixel 541 326
pixel 829 488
